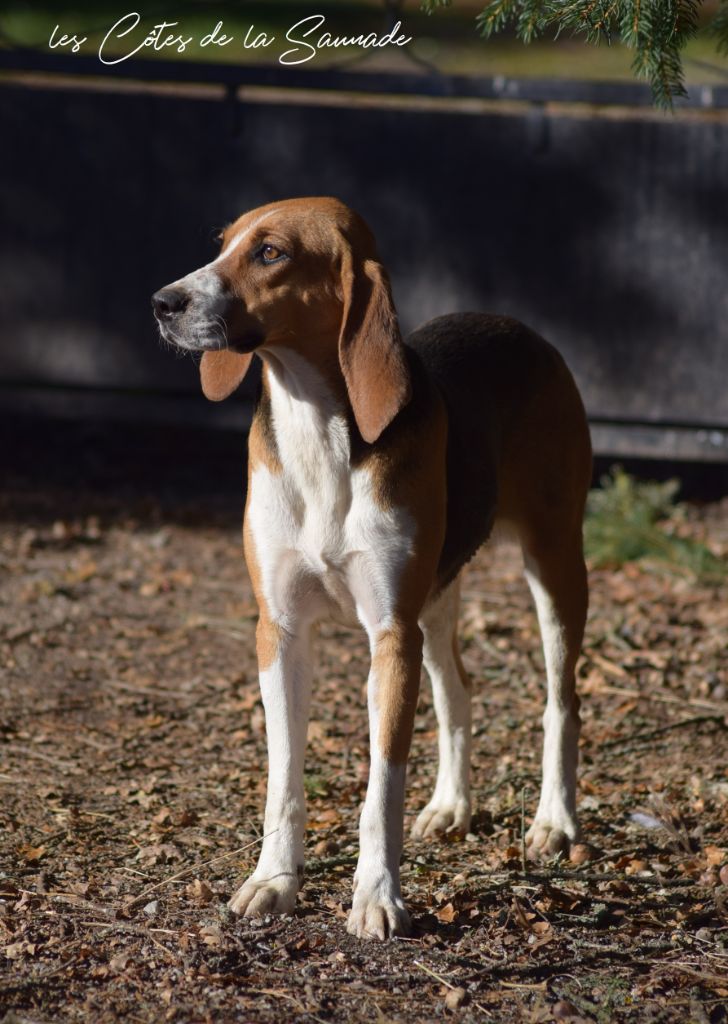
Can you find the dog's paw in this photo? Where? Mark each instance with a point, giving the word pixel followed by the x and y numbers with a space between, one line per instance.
pixel 438 818
pixel 545 839
pixel 377 914
pixel 269 896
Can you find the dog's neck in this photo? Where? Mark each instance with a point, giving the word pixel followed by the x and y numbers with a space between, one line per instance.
pixel 309 407
pixel 304 380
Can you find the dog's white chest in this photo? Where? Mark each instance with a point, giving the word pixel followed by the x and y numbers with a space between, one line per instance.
pixel 324 546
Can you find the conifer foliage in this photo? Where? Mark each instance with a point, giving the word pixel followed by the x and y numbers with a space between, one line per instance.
pixel 655 30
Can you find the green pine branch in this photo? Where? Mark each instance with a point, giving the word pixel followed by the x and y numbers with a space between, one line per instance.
pixel 655 30
pixel 719 27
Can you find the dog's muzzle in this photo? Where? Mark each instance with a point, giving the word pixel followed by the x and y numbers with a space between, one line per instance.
pixel 203 319
pixel 190 318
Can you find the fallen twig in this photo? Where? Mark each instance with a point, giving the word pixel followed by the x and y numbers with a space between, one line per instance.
pixel 539 986
pixel 67 767
pixel 194 868
pixel 713 980
pixel 627 691
pixel 447 984
pixel 523 830
pixel 651 733
pixel 151 691
pixel 279 994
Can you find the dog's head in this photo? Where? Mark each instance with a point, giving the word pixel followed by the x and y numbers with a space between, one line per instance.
pixel 301 274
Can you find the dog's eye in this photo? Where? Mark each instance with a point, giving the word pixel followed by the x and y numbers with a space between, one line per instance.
pixel 271 254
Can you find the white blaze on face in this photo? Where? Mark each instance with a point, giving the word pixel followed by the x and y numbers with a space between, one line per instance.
pixel 206 280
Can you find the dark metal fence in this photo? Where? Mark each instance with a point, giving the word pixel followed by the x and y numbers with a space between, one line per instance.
pixel 572 206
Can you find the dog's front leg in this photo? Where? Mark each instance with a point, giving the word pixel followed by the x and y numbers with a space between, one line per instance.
pixel 285 680
pixel 378 911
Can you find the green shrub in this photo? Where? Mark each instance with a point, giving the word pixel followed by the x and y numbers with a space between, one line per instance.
pixel 628 520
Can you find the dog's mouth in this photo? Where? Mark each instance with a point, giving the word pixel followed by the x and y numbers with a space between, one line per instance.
pixel 209 337
pixel 202 338
pixel 193 337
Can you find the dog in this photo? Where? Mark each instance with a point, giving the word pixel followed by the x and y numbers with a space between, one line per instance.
pixel 377 468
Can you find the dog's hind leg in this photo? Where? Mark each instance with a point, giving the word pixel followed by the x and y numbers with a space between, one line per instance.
pixel 449 809
pixel 556 574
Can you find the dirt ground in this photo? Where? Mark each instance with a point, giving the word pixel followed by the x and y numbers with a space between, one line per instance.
pixel 132 774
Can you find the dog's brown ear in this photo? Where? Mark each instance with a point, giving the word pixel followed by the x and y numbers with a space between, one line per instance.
pixel 371 351
pixel 221 372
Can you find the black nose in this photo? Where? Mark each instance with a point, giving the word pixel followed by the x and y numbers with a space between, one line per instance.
pixel 168 301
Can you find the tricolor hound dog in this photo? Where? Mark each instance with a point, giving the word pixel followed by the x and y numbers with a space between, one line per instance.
pixel 377 468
